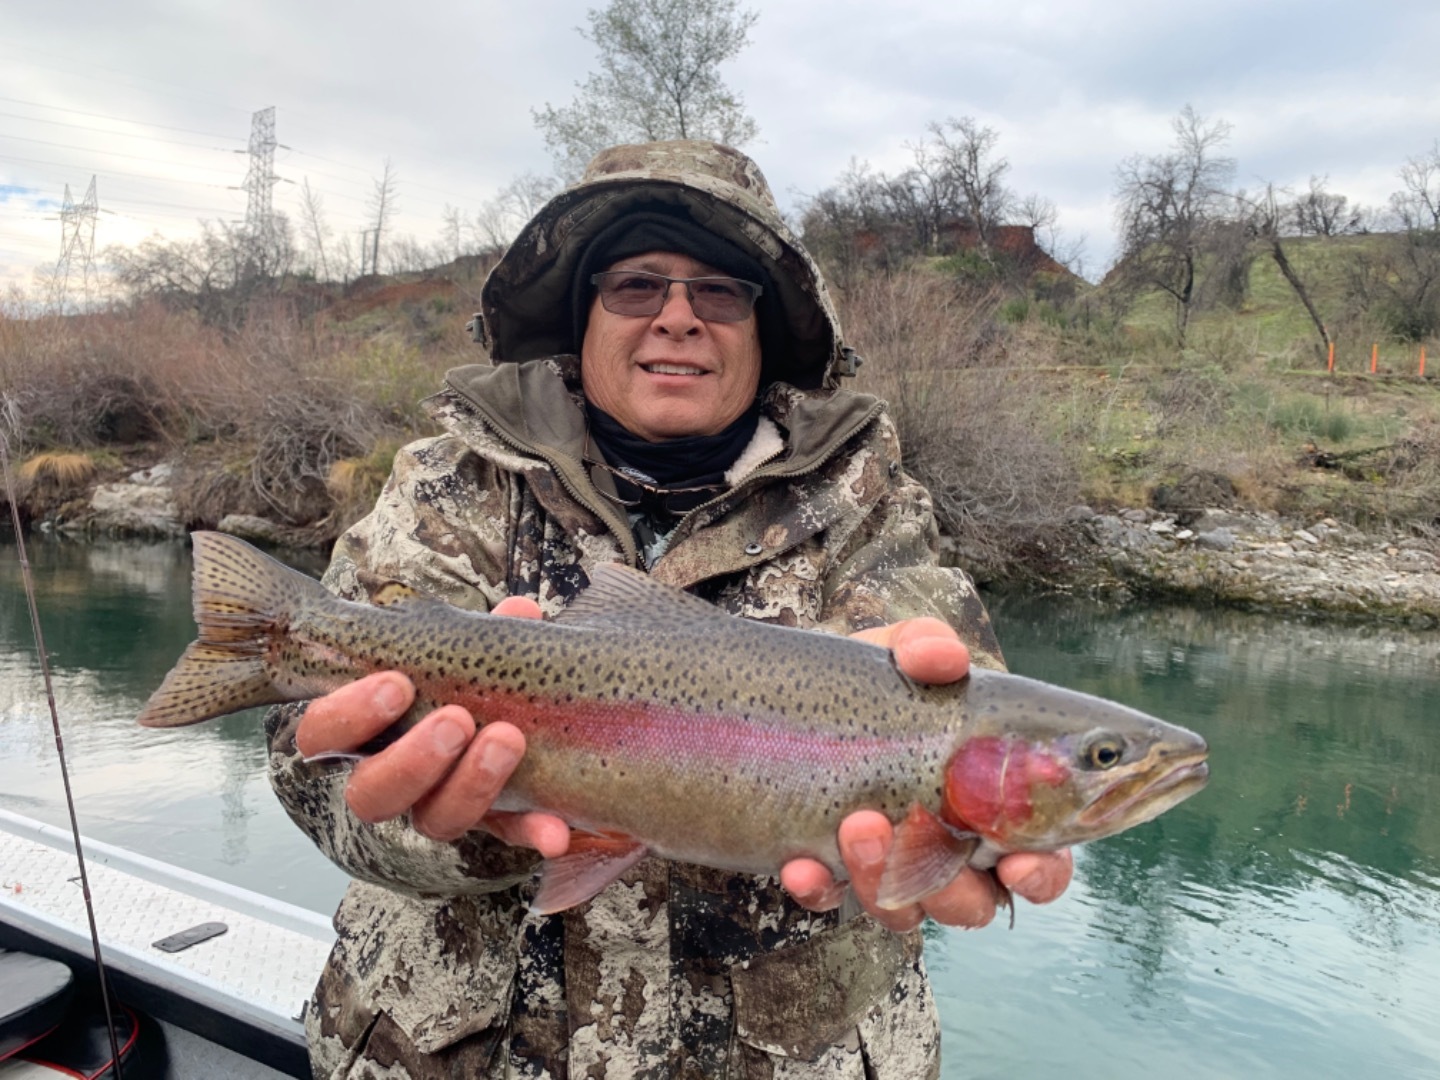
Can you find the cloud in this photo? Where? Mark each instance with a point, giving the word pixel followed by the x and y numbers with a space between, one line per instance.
pixel 445 88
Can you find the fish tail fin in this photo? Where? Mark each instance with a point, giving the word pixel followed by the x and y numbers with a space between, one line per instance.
pixel 241 598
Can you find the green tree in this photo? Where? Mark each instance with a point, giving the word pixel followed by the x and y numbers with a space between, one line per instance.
pixel 659 79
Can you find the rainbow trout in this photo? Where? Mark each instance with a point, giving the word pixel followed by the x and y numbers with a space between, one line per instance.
pixel 656 723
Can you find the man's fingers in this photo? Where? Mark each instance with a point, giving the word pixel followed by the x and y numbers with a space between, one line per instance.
pixel 517 607
pixel 929 651
pixel 968 901
pixel 1039 878
pixel 394 780
pixel 812 885
pixel 865 838
pixel 926 649
pixel 354 714
pixel 546 833
pixel 455 805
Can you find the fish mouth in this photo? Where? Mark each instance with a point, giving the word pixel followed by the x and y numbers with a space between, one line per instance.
pixel 1147 795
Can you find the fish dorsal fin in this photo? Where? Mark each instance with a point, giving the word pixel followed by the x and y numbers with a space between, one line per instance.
pixel 619 594
pixel 395 592
pixel 926 855
pixel 592 862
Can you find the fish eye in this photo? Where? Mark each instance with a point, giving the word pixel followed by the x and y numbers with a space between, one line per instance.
pixel 1104 753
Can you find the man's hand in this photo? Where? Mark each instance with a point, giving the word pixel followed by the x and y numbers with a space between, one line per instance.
pixel 442 771
pixel 929 651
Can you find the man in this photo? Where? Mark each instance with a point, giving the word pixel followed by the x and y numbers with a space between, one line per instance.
pixel 699 435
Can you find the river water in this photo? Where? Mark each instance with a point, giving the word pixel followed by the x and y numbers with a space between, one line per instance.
pixel 1283 923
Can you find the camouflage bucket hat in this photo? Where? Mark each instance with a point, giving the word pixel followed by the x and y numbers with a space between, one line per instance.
pixel 526 302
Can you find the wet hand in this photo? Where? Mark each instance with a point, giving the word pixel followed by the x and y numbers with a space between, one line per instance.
pixel 443 771
pixel 926 650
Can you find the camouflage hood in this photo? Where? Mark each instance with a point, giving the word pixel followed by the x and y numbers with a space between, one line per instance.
pixel 526 303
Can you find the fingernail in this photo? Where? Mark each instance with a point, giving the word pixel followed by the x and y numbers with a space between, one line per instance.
pixel 449 736
pixel 499 758
pixel 868 849
pixel 390 697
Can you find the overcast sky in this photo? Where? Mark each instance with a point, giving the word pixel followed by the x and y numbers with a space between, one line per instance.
pixel 155 97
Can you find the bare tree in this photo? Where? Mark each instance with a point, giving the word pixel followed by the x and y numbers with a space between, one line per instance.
pixel 963 153
pixel 316 231
pixel 217 275
pixel 659 79
pixel 498 220
pixel 452 229
pixel 1401 282
pixel 1266 216
pixel 383 205
pixel 1170 205
pixel 1417 204
pixel 1319 212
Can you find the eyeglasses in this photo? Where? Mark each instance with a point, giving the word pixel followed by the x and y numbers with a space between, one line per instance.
pixel 689 497
pixel 640 293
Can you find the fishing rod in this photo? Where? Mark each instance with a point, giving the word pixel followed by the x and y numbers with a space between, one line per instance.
pixel 8 414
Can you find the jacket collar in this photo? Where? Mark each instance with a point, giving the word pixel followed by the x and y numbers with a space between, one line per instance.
pixel 536 408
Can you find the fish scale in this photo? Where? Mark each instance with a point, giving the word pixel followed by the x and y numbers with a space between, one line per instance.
pixel 656 723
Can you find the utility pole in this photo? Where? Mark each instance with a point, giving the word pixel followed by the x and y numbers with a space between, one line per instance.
pixel 259 184
pixel 77 239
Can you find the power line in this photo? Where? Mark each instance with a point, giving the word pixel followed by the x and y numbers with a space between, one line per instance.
pixel 113 153
pixel 113 131
pixel 122 119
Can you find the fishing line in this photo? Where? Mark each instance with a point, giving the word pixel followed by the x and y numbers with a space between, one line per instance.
pixel 7 413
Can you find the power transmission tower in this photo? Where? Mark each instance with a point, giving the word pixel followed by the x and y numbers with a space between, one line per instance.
pixel 259 184
pixel 77 240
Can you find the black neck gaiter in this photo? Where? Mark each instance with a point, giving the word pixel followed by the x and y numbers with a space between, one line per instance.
pixel 692 461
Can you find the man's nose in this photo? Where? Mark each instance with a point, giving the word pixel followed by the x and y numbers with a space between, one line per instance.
pixel 677 303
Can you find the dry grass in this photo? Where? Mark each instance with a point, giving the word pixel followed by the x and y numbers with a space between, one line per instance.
pixel 287 396
pixel 65 471
pixel 981 439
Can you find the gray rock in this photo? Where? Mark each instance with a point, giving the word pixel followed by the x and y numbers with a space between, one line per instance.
pixel 1216 540
pixel 142 504
pixel 1079 513
pixel 1135 515
pixel 1210 520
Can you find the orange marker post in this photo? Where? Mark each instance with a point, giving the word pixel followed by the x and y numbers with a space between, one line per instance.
pixel 1422 361
pixel 1374 357
pixel 1330 364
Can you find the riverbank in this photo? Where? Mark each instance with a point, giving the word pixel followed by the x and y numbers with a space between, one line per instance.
pixel 1229 556
pixel 1257 561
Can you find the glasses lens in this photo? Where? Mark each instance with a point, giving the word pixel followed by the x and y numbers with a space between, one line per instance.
pixel 721 299
pixel 714 299
pixel 625 293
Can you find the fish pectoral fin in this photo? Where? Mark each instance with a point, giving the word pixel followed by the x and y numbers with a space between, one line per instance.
pixel 593 862
pixel 926 855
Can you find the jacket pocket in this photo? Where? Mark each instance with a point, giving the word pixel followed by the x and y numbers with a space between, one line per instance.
pixel 799 1001
pixel 439 970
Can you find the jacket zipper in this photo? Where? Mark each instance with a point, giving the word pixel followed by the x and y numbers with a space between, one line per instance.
pixel 623 532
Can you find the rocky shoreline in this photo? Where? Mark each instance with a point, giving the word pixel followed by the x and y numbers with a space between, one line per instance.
pixel 1257 561
pixel 1218 555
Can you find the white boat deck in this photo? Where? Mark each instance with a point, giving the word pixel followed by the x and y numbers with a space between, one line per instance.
pixel 262 969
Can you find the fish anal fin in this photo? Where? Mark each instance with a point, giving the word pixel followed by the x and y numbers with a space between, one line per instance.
pixel 925 856
pixel 210 680
pixel 592 862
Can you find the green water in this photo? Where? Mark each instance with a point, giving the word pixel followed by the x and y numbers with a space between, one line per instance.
pixel 1285 922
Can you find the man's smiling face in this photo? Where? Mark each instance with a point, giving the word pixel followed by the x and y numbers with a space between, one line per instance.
pixel 672 374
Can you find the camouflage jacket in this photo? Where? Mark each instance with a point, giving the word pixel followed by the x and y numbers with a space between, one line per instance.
pixel 439 969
